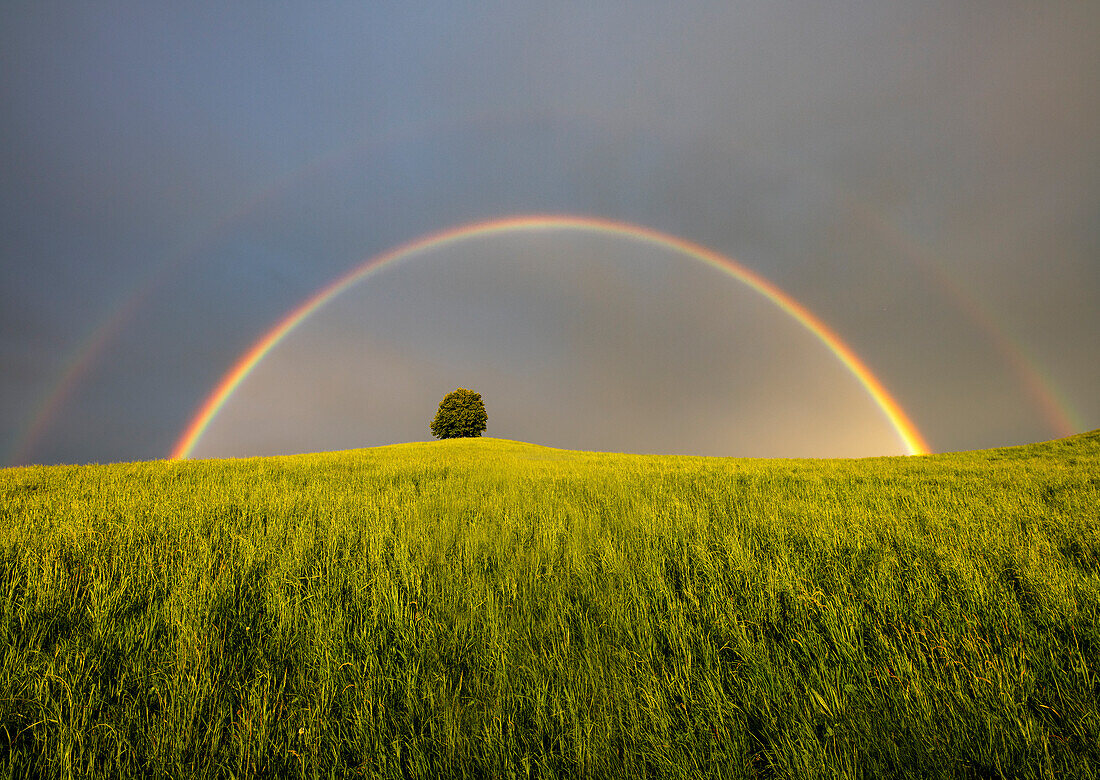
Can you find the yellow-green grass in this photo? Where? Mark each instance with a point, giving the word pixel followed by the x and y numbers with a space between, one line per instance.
pixel 489 608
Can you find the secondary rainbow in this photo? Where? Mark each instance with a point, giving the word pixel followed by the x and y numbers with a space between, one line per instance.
pixel 906 431
pixel 1060 415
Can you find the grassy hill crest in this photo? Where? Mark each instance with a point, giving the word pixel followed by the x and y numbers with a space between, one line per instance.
pixel 483 607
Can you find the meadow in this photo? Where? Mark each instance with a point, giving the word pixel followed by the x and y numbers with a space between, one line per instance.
pixel 488 608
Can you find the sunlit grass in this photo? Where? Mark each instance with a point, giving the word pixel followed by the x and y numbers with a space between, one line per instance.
pixel 491 608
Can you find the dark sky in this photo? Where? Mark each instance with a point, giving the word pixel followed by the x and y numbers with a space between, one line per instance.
pixel 923 177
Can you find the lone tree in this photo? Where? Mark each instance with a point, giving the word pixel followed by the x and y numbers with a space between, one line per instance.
pixel 461 414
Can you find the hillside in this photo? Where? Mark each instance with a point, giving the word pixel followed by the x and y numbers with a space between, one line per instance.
pixel 489 607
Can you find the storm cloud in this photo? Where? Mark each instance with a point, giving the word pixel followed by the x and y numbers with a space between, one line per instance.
pixel 924 178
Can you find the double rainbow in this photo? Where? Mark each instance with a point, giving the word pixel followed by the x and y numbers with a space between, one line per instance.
pixel 903 426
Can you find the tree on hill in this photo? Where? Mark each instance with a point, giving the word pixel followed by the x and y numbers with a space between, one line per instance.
pixel 461 414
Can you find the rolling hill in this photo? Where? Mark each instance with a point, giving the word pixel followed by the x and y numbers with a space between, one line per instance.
pixel 484 607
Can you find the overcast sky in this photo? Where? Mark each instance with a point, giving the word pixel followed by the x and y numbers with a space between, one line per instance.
pixel 923 177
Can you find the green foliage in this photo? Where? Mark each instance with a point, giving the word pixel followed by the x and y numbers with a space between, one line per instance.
pixel 489 608
pixel 461 415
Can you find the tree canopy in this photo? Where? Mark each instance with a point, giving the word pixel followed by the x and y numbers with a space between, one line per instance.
pixel 461 414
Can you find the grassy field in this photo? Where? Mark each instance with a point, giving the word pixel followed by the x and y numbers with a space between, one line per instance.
pixel 489 608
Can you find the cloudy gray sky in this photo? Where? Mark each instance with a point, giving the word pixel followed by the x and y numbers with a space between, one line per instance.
pixel 923 177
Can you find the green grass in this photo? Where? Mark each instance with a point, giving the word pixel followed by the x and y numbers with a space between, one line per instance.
pixel 488 608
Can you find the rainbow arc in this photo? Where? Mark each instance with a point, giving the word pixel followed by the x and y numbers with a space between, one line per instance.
pixel 906 431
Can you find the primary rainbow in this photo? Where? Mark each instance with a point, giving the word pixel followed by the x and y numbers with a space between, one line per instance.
pixel 906 431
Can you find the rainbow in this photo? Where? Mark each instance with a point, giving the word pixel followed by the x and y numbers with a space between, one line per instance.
pixel 1060 415
pixel 904 427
